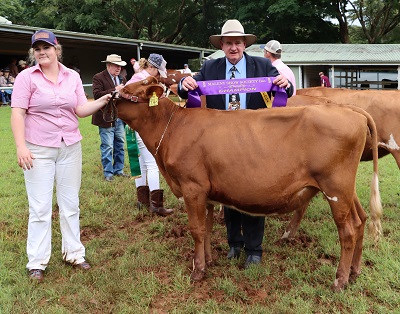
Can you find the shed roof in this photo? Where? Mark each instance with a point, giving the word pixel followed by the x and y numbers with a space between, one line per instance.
pixel 332 54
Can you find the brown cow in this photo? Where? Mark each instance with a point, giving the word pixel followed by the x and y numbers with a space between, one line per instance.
pixel 262 162
pixel 383 106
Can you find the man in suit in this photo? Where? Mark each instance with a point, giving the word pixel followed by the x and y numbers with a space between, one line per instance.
pixel 112 134
pixel 243 231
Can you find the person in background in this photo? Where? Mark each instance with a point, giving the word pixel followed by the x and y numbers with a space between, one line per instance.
pixel 47 100
pixel 8 81
pixel 4 95
pixel 243 230
pixel 186 69
pixel 148 189
pixel 112 134
pixel 135 65
pixel 21 65
pixel 273 51
pixel 13 67
pixel 324 80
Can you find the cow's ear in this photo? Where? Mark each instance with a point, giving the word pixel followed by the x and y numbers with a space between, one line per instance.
pixel 158 89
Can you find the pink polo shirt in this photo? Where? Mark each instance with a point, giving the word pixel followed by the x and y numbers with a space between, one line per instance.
pixel 138 77
pixel 286 71
pixel 50 108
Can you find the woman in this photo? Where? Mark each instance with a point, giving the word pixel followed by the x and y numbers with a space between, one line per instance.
pixel 46 101
pixel 148 185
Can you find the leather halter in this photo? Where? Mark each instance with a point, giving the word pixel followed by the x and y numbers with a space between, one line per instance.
pixel 110 111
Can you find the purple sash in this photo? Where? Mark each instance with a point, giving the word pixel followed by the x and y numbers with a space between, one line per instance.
pixel 233 86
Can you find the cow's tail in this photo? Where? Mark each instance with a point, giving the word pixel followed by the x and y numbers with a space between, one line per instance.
pixel 375 227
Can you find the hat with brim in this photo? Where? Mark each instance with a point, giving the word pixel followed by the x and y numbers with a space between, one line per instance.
pixel 44 36
pixel 115 59
pixel 158 62
pixel 232 28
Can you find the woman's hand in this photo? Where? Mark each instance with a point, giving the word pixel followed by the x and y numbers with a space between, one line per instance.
pixel 25 158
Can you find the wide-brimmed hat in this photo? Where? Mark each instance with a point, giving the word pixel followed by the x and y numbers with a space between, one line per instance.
pixel 46 36
pixel 116 59
pixel 158 61
pixel 232 28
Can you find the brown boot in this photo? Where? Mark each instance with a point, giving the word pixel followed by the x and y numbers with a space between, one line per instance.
pixel 143 197
pixel 157 203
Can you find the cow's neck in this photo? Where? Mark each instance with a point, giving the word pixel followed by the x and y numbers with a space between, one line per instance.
pixel 149 122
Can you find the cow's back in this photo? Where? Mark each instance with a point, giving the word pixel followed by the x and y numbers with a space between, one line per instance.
pixel 383 106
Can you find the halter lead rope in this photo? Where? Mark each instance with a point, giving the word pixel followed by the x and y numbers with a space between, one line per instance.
pixel 166 127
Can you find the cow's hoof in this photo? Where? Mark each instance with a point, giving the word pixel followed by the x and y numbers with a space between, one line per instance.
pixel 353 277
pixel 338 285
pixel 209 263
pixel 197 275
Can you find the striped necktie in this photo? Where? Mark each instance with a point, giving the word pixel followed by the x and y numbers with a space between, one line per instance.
pixel 234 99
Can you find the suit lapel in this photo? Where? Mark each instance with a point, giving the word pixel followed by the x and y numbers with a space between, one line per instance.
pixel 108 79
pixel 250 70
pixel 221 69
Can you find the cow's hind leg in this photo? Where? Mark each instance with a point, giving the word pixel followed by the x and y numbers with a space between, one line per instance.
pixel 348 225
pixel 196 209
pixel 360 220
pixel 207 239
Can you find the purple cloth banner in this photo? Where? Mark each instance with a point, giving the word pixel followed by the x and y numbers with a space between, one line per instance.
pixel 233 86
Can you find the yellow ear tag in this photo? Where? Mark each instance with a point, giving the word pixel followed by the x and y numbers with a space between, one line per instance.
pixel 153 100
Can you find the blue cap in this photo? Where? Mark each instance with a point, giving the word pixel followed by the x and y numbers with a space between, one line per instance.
pixel 46 36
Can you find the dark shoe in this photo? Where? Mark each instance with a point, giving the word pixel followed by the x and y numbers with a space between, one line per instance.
pixel 84 266
pixel 109 178
pixel 122 175
pixel 36 274
pixel 234 252
pixel 157 203
pixel 252 260
pixel 143 197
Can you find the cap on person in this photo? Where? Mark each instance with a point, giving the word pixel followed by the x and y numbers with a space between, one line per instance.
pixel 21 62
pixel 185 65
pixel 6 69
pixel 232 28
pixel 273 46
pixel 158 61
pixel 44 35
pixel 115 59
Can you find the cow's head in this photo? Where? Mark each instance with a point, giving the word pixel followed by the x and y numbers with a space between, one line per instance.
pixel 142 90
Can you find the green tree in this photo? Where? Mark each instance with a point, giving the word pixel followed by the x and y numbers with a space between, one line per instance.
pixel 378 18
pixel 289 21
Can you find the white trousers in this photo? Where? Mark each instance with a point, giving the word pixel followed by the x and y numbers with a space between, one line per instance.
pixel 64 166
pixel 148 167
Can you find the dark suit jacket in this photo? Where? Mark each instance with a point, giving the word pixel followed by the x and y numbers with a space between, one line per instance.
pixel 102 84
pixel 215 69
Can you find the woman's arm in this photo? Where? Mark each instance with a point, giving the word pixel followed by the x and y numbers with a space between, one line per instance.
pixel 24 155
pixel 91 107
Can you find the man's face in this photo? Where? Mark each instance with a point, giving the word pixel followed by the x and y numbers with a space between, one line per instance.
pixel 113 69
pixel 233 48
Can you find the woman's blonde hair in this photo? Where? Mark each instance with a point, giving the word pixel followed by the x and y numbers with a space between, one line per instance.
pixel 143 63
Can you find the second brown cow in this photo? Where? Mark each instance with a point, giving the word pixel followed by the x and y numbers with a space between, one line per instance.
pixel 260 162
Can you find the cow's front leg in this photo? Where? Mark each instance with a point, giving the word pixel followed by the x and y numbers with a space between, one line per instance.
pixel 196 209
pixel 207 243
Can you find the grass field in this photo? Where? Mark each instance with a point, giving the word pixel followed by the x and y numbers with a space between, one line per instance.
pixel 142 263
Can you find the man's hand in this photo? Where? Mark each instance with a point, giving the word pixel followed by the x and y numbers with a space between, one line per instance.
pixel 281 81
pixel 189 83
